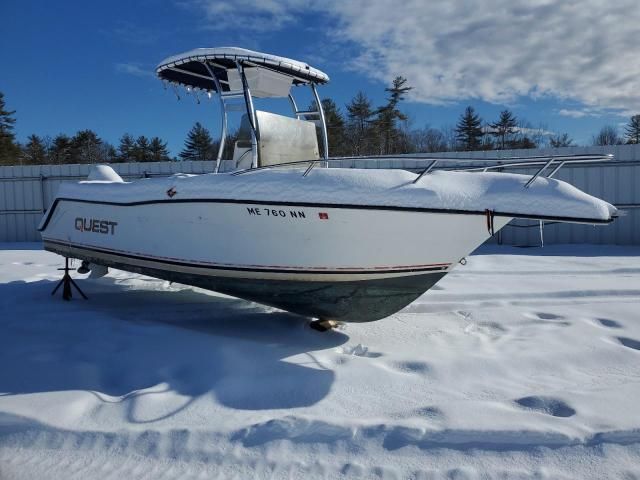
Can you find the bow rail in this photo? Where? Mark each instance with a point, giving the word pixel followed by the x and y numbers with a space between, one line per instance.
pixel 556 162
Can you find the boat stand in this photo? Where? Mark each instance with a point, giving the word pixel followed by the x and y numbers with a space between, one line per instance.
pixel 67 283
pixel 324 325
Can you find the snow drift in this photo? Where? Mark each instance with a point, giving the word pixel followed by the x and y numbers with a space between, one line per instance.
pixel 523 364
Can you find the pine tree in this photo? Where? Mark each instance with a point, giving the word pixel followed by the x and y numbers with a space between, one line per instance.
pixel 142 149
pixel 359 114
pixel 9 150
pixel 335 127
pixel 86 147
pixel 632 130
pixel 34 151
pixel 198 145
pixel 158 150
pixel 126 149
pixel 229 145
pixel 469 130
pixel 60 152
pixel 389 114
pixel 109 153
pixel 524 142
pixel 504 127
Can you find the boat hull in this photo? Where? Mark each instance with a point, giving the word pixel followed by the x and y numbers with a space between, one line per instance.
pixel 352 301
pixel 347 264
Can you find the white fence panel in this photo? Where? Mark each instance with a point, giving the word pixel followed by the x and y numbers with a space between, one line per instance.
pixel 27 191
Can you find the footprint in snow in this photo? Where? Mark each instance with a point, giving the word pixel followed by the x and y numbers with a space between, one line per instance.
pixel 341 359
pixel 460 474
pixel 418 367
pixel 496 326
pixel 432 413
pixel 629 342
pixel 352 470
pixel 605 322
pixel 493 330
pixel 548 405
pixel 548 318
pixel 359 351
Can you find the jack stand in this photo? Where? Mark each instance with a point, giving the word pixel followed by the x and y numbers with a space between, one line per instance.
pixel 68 282
pixel 324 325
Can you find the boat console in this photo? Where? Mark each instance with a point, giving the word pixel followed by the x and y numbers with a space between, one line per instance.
pixel 236 74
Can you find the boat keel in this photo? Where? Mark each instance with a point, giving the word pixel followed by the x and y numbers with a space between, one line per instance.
pixel 324 325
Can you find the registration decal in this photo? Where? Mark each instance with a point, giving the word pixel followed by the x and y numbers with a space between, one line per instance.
pixel 277 213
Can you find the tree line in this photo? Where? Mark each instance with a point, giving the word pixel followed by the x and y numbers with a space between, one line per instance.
pixel 360 129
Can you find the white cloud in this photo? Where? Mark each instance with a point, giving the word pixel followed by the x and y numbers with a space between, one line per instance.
pixel 589 112
pixel 524 131
pixel 493 50
pixel 535 131
pixel 134 69
pixel 254 15
pixel 573 113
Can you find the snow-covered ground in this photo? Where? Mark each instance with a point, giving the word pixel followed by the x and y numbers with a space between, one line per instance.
pixel 523 363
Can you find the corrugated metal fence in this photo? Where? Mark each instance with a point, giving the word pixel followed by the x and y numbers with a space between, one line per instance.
pixel 26 191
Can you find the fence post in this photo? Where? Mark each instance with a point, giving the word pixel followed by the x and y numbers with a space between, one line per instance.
pixel 42 192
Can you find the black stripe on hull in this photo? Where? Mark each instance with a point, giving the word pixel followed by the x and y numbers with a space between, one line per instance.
pixel 589 221
pixel 347 301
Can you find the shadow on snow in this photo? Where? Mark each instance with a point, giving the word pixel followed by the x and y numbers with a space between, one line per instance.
pixel 126 340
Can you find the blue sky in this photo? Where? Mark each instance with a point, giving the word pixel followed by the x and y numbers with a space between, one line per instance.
pixel 73 65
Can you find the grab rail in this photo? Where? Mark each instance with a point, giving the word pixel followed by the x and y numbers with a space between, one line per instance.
pixel 544 161
pixel 561 159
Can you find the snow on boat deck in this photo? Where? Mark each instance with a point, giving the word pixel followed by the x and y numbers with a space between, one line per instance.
pixel 501 192
pixel 523 363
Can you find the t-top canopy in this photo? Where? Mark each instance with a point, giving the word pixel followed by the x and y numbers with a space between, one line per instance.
pixel 189 68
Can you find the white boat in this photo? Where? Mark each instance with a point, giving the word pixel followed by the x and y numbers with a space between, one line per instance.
pixel 280 227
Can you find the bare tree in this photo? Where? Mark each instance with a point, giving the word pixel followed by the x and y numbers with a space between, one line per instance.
pixel 429 140
pixel 558 141
pixel 450 137
pixel 608 135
